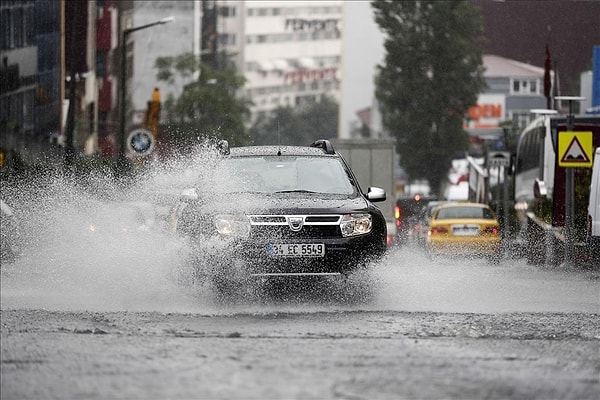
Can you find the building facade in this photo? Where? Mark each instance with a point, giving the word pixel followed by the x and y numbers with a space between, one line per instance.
pixel 513 90
pixel 49 86
pixel 18 74
pixel 169 40
pixel 61 63
pixel 288 51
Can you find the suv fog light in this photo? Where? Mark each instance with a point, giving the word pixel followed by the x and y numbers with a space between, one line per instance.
pixel 355 224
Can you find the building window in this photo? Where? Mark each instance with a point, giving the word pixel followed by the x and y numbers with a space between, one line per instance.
pixel 521 118
pixel 227 12
pixel 227 39
pixel 101 63
pixel 5 27
pixel 18 27
pixel 525 86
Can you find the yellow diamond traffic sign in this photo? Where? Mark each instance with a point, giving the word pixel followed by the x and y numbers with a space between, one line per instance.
pixel 575 149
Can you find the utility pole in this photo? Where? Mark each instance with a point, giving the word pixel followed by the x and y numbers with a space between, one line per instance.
pixel 569 192
pixel 122 157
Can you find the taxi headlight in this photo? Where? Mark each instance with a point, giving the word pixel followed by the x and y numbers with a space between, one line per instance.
pixel 232 225
pixel 356 224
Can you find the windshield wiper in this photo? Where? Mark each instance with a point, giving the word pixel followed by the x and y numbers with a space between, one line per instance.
pixel 296 191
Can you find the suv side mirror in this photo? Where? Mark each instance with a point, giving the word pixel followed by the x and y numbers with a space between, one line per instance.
pixel 188 195
pixel 376 194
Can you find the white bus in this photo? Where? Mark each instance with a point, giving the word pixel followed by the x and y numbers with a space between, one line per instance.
pixel 540 187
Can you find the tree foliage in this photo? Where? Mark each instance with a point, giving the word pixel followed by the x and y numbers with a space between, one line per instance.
pixel 297 126
pixel 207 107
pixel 432 73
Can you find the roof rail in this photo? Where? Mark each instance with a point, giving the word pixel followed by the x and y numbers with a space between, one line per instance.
pixel 323 144
pixel 223 147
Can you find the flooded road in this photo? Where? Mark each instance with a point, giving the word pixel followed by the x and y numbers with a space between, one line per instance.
pixel 132 278
pixel 449 330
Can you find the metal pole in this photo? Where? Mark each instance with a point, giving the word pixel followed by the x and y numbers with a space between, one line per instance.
pixel 498 205
pixel 69 151
pixel 506 227
pixel 121 157
pixel 569 193
pixel 69 155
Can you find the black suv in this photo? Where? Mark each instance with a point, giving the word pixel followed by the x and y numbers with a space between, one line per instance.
pixel 277 211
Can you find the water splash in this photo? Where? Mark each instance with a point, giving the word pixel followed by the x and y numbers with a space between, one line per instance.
pixel 65 266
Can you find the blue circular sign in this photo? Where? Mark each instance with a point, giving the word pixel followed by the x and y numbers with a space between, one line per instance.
pixel 141 142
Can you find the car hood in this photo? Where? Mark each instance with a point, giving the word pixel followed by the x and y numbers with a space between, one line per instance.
pixel 283 203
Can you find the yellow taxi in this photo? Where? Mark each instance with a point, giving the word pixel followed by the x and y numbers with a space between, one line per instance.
pixel 464 229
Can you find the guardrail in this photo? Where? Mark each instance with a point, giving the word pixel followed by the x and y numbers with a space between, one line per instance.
pixel 478 181
pixel 546 243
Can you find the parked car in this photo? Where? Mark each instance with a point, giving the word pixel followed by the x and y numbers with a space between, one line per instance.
pixel 422 225
pixel 10 235
pixel 464 229
pixel 593 231
pixel 280 211
pixel 407 213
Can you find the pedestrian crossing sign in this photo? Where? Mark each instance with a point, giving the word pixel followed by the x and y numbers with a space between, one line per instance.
pixel 575 149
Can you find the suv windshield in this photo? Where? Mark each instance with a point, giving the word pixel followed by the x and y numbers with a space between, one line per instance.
pixel 279 174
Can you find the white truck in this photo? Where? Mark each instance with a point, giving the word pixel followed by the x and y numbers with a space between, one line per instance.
pixel 373 162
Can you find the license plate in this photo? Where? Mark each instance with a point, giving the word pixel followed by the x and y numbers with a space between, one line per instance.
pixel 296 249
pixel 465 230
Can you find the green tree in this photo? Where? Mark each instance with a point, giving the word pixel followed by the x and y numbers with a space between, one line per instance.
pixel 432 73
pixel 208 106
pixel 297 126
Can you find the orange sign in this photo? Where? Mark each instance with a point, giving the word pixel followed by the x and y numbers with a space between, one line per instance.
pixel 485 111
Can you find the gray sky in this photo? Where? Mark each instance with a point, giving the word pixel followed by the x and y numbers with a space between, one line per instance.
pixel 362 51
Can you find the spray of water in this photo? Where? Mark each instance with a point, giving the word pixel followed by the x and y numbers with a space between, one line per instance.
pixel 90 243
pixel 93 243
pixel 85 247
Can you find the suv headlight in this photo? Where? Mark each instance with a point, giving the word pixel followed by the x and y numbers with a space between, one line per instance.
pixel 232 225
pixel 356 224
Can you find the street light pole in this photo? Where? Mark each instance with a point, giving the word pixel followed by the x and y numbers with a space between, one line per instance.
pixel 122 158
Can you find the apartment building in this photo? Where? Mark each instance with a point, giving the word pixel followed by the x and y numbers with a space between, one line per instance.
pixel 18 73
pixel 49 91
pixel 513 89
pixel 288 51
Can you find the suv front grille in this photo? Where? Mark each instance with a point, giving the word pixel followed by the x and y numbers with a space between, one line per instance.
pixel 280 227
